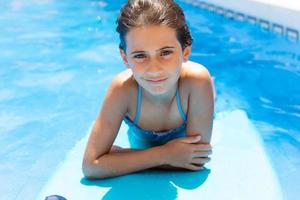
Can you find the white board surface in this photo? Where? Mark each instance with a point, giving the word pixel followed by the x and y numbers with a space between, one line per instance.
pixel 239 169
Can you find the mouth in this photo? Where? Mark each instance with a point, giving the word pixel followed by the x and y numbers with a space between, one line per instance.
pixel 156 80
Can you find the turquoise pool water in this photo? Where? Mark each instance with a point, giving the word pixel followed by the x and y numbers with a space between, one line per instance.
pixel 58 57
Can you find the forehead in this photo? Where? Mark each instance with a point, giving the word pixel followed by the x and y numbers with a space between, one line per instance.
pixel 151 37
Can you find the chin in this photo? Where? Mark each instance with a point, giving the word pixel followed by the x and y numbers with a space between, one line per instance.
pixel 157 90
pixel 157 93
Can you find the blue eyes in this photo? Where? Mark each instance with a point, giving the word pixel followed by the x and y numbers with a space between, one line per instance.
pixel 142 56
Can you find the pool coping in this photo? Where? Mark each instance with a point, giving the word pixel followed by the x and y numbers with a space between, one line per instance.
pixel 258 13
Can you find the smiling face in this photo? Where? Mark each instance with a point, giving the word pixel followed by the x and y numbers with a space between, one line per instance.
pixel 155 57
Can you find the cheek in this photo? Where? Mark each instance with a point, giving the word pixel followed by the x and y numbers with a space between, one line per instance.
pixel 177 59
pixel 137 72
pixel 176 65
pixel 135 64
pixel 131 63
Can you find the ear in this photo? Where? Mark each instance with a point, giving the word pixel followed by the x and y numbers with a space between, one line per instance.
pixel 186 53
pixel 124 57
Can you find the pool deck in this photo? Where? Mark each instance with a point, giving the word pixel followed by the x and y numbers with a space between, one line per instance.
pixel 280 16
pixel 287 4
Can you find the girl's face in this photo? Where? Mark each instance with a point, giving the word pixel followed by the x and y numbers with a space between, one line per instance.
pixel 155 57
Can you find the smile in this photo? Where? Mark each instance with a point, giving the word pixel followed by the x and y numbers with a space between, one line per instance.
pixel 156 80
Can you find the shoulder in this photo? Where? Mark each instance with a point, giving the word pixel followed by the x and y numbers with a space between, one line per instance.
pixel 195 76
pixel 124 79
pixel 122 85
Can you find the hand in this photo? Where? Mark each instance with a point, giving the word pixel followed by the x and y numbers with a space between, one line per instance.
pixel 187 153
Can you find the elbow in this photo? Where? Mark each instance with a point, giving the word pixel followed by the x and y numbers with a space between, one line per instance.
pixel 87 169
pixel 92 170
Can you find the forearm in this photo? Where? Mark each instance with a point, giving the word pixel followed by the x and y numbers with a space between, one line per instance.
pixel 163 167
pixel 120 149
pixel 123 161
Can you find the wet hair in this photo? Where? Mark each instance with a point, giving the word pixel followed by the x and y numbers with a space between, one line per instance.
pixel 138 13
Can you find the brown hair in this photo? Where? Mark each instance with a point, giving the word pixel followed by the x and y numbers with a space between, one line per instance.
pixel 137 13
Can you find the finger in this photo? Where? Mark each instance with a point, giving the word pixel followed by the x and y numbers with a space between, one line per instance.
pixel 194 167
pixel 200 160
pixel 191 139
pixel 198 154
pixel 202 147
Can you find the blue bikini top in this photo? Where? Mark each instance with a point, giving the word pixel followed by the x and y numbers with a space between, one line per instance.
pixel 156 136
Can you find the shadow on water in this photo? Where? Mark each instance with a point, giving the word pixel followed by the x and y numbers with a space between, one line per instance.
pixel 150 184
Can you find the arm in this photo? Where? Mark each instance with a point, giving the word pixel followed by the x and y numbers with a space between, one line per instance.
pixel 120 163
pixel 201 105
pixel 115 149
pixel 98 161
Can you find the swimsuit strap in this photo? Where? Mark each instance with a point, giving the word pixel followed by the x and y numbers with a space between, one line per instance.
pixel 139 102
pixel 179 105
pixel 138 105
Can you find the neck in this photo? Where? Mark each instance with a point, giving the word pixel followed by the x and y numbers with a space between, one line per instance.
pixel 165 98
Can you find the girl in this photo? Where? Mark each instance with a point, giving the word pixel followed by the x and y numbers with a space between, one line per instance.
pixel 165 99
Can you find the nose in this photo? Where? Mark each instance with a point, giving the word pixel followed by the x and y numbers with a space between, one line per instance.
pixel 154 66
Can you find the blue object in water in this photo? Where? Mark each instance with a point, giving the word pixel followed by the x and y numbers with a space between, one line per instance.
pixel 55 197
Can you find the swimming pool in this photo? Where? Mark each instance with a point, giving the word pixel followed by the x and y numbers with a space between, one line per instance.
pixel 57 59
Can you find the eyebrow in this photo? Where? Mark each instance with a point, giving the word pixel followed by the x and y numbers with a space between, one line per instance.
pixel 163 48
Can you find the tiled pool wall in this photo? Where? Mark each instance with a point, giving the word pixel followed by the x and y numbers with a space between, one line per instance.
pixel 281 28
